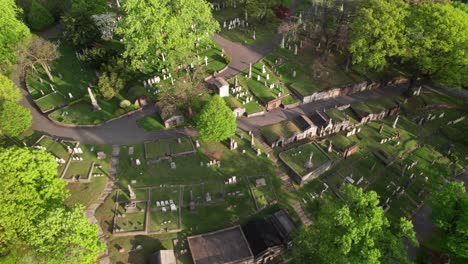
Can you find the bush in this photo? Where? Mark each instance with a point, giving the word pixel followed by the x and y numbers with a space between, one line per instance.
pixel 119 112
pixel 39 17
pixel 125 103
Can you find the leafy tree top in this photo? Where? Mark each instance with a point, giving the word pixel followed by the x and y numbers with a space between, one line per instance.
pixel 216 121
pixel 8 90
pixel 353 231
pixel 12 32
pixel 157 30
pixel 39 17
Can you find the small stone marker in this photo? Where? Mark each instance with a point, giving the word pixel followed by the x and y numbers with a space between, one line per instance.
pixel 173 165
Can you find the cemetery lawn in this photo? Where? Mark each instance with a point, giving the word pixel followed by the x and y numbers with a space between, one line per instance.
pixel 311 70
pixel 264 30
pixel 81 113
pixel 76 76
pixel 284 129
pixel 263 93
pixel 150 243
pixel 152 122
pixel 297 157
pixel 51 101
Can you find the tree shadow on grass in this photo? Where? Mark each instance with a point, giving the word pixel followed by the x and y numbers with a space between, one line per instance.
pixel 142 247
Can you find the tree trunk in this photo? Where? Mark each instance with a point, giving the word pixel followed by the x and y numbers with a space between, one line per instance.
pixel 46 69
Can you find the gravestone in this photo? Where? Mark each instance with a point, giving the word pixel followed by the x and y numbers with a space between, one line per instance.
pixel 197 143
pixel 208 197
pixel 101 155
pixel 131 150
pixel 259 152
pixel 252 140
pixel 250 70
pixel 173 165
pixel 260 182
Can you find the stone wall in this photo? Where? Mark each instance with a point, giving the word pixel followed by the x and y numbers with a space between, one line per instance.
pixel 347 90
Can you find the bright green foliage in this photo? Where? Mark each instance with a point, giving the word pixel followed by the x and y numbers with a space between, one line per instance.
pixel 67 237
pixel 30 187
pixel 80 28
pixel 33 215
pixel 109 84
pixel 259 9
pixel 12 32
pixel 354 231
pixel 378 32
pixel 14 119
pixel 170 28
pixel 8 90
pixel 450 213
pixel 439 42
pixel 216 121
pixel 39 17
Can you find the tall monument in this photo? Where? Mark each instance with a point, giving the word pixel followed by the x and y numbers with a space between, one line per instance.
pixel 93 100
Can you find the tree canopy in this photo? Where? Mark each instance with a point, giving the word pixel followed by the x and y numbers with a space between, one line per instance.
pixel 80 27
pixel 13 32
pixel 378 32
pixel 39 17
pixel 164 31
pixel 33 213
pixel 439 42
pixel 14 119
pixel 216 121
pixel 431 35
pixel 450 213
pixel 353 231
pixel 8 90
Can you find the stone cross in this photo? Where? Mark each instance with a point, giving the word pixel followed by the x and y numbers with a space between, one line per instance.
pixel 132 194
pixel 396 121
pixel 93 100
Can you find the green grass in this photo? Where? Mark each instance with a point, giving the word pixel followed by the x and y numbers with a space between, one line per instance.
pixel 311 70
pixel 297 157
pixel 284 129
pixel 156 149
pixel 151 123
pixel 51 101
pixel 185 145
pixel 82 112
pixel 150 244
pixel 264 30
pixel 76 76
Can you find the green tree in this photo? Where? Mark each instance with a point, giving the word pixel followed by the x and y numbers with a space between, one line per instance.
pixel 378 33
pixel 12 32
pixel 33 219
pixel 159 30
pixel 110 84
pixel 39 17
pixel 439 42
pixel 66 236
pixel 30 188
pixel 216 121
pixel 14 119
pixel 450 213
pixel 80 27
pixel 353 231
pixel 8 90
